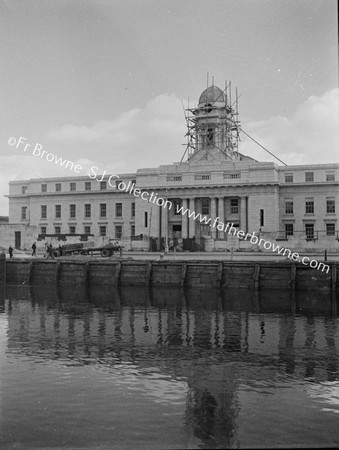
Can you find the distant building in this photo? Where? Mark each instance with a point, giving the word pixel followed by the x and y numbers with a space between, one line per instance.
pixel 295 204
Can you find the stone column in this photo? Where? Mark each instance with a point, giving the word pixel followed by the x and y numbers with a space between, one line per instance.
pixel 243 214
pixel 184 223
pixel 221 214
pixel 191 221
pixel 213 217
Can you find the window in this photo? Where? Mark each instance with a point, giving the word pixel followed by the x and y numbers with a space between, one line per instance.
pixel 133 209
pixel 72 229
pixel 72 211
pixel 330 229
pixel 132 230
pixel 309 205
pixel 88 185
pixel 118 231
pixel 309 176
pixel 102 210
pixel 202 177
pixel 234 206
pixel 87 229
pixel 330 205
pixel 44 211
pixel 44 188
pixel 289 206
pixel 330 176
pixel 174 178
pixel 72 186
pixel 117 182
pixel 87 210
pixel 58 211
pixel 23 212
pixel 177 206
pixel 309 230
pixel 57 230
pixel 210 136
pixel 23 189
pixel 58 187
pixel 289 229
pixel 205 206
pixel 232 175
pixel 103 186
pixel 146 219
pixel 288 177
pixel 43 230
pixel 118 210
pixel 261 217
pixel 102 230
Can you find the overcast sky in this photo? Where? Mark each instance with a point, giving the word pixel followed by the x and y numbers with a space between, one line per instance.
pixel 100 82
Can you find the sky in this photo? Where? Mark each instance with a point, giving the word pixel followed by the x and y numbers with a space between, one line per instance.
pixel 103 82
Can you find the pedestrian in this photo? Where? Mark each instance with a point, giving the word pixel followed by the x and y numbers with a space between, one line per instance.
pixel 34 249
pixel 10 251
pixel 50 251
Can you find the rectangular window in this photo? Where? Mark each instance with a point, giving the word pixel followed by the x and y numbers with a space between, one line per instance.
pixel 72 229
pixel 102 230
pixel 177 206
pixel 44 188
pixel 103 187
pixel 309 206
pixel 202 177
pixel 205 206
pixel 174 178
pixel 57 230
pixel 88 185
pixel 118 231
pixel 288 177
pixel 330 229
pixel 43 211
pixel 43 230
pixel 289 229
pixel 133 209
pixel 58 211
pixel 146 220
pixel 261 217
pixel 309 176
pixel 87 229
pixel 309 230
pixel 288 206
pixel 102 210
pixel 23 212
pixel 72 211
pixel 23 189
pixel 330 176
pixel 87 210
pixel 117 182
pixel 234 206
pixel 132 230
pixel 232 175
pixel 72 186
pixel 118 210
pixel 330 205
pixel 58 187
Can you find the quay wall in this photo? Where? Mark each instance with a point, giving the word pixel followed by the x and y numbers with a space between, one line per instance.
pixel 204 274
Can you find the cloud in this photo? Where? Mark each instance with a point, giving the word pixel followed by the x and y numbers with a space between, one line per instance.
pixel 309 136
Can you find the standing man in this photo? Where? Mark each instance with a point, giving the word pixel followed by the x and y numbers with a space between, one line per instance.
pixel 10 251
pixel 34 249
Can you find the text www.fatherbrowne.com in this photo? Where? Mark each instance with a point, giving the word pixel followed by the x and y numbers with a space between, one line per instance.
pixel 268 245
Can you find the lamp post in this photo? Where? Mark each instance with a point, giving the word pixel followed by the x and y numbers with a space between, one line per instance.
pixel 166 225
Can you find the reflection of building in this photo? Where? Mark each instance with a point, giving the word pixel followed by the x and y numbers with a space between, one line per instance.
pixel 189 337
pixel 297 204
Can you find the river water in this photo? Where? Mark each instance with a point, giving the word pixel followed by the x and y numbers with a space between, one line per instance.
pixel 134 368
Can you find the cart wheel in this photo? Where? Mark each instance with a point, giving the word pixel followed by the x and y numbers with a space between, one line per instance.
pixel 105 252
pixel 56 253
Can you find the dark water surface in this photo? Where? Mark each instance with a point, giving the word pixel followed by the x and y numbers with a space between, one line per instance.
pixel 162 369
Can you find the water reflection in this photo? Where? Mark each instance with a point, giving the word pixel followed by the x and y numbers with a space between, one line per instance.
pixel 192 348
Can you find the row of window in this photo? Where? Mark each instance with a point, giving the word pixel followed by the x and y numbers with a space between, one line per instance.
pixel 309 176
pixel 309 230
pixel 72 211
pixel 87 230
pixel 309 206
pixel 73 186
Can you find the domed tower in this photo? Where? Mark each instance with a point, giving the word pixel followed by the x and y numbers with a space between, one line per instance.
pixel 213 127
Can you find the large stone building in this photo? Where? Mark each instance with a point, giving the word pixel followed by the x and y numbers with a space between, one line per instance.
pixel 294 204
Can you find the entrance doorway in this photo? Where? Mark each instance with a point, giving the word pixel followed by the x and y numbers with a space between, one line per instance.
pixel 17 237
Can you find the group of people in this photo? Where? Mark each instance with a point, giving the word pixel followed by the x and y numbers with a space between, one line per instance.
pixel 11 250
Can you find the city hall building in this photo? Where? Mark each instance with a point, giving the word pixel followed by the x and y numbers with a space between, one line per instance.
pixel 294 205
